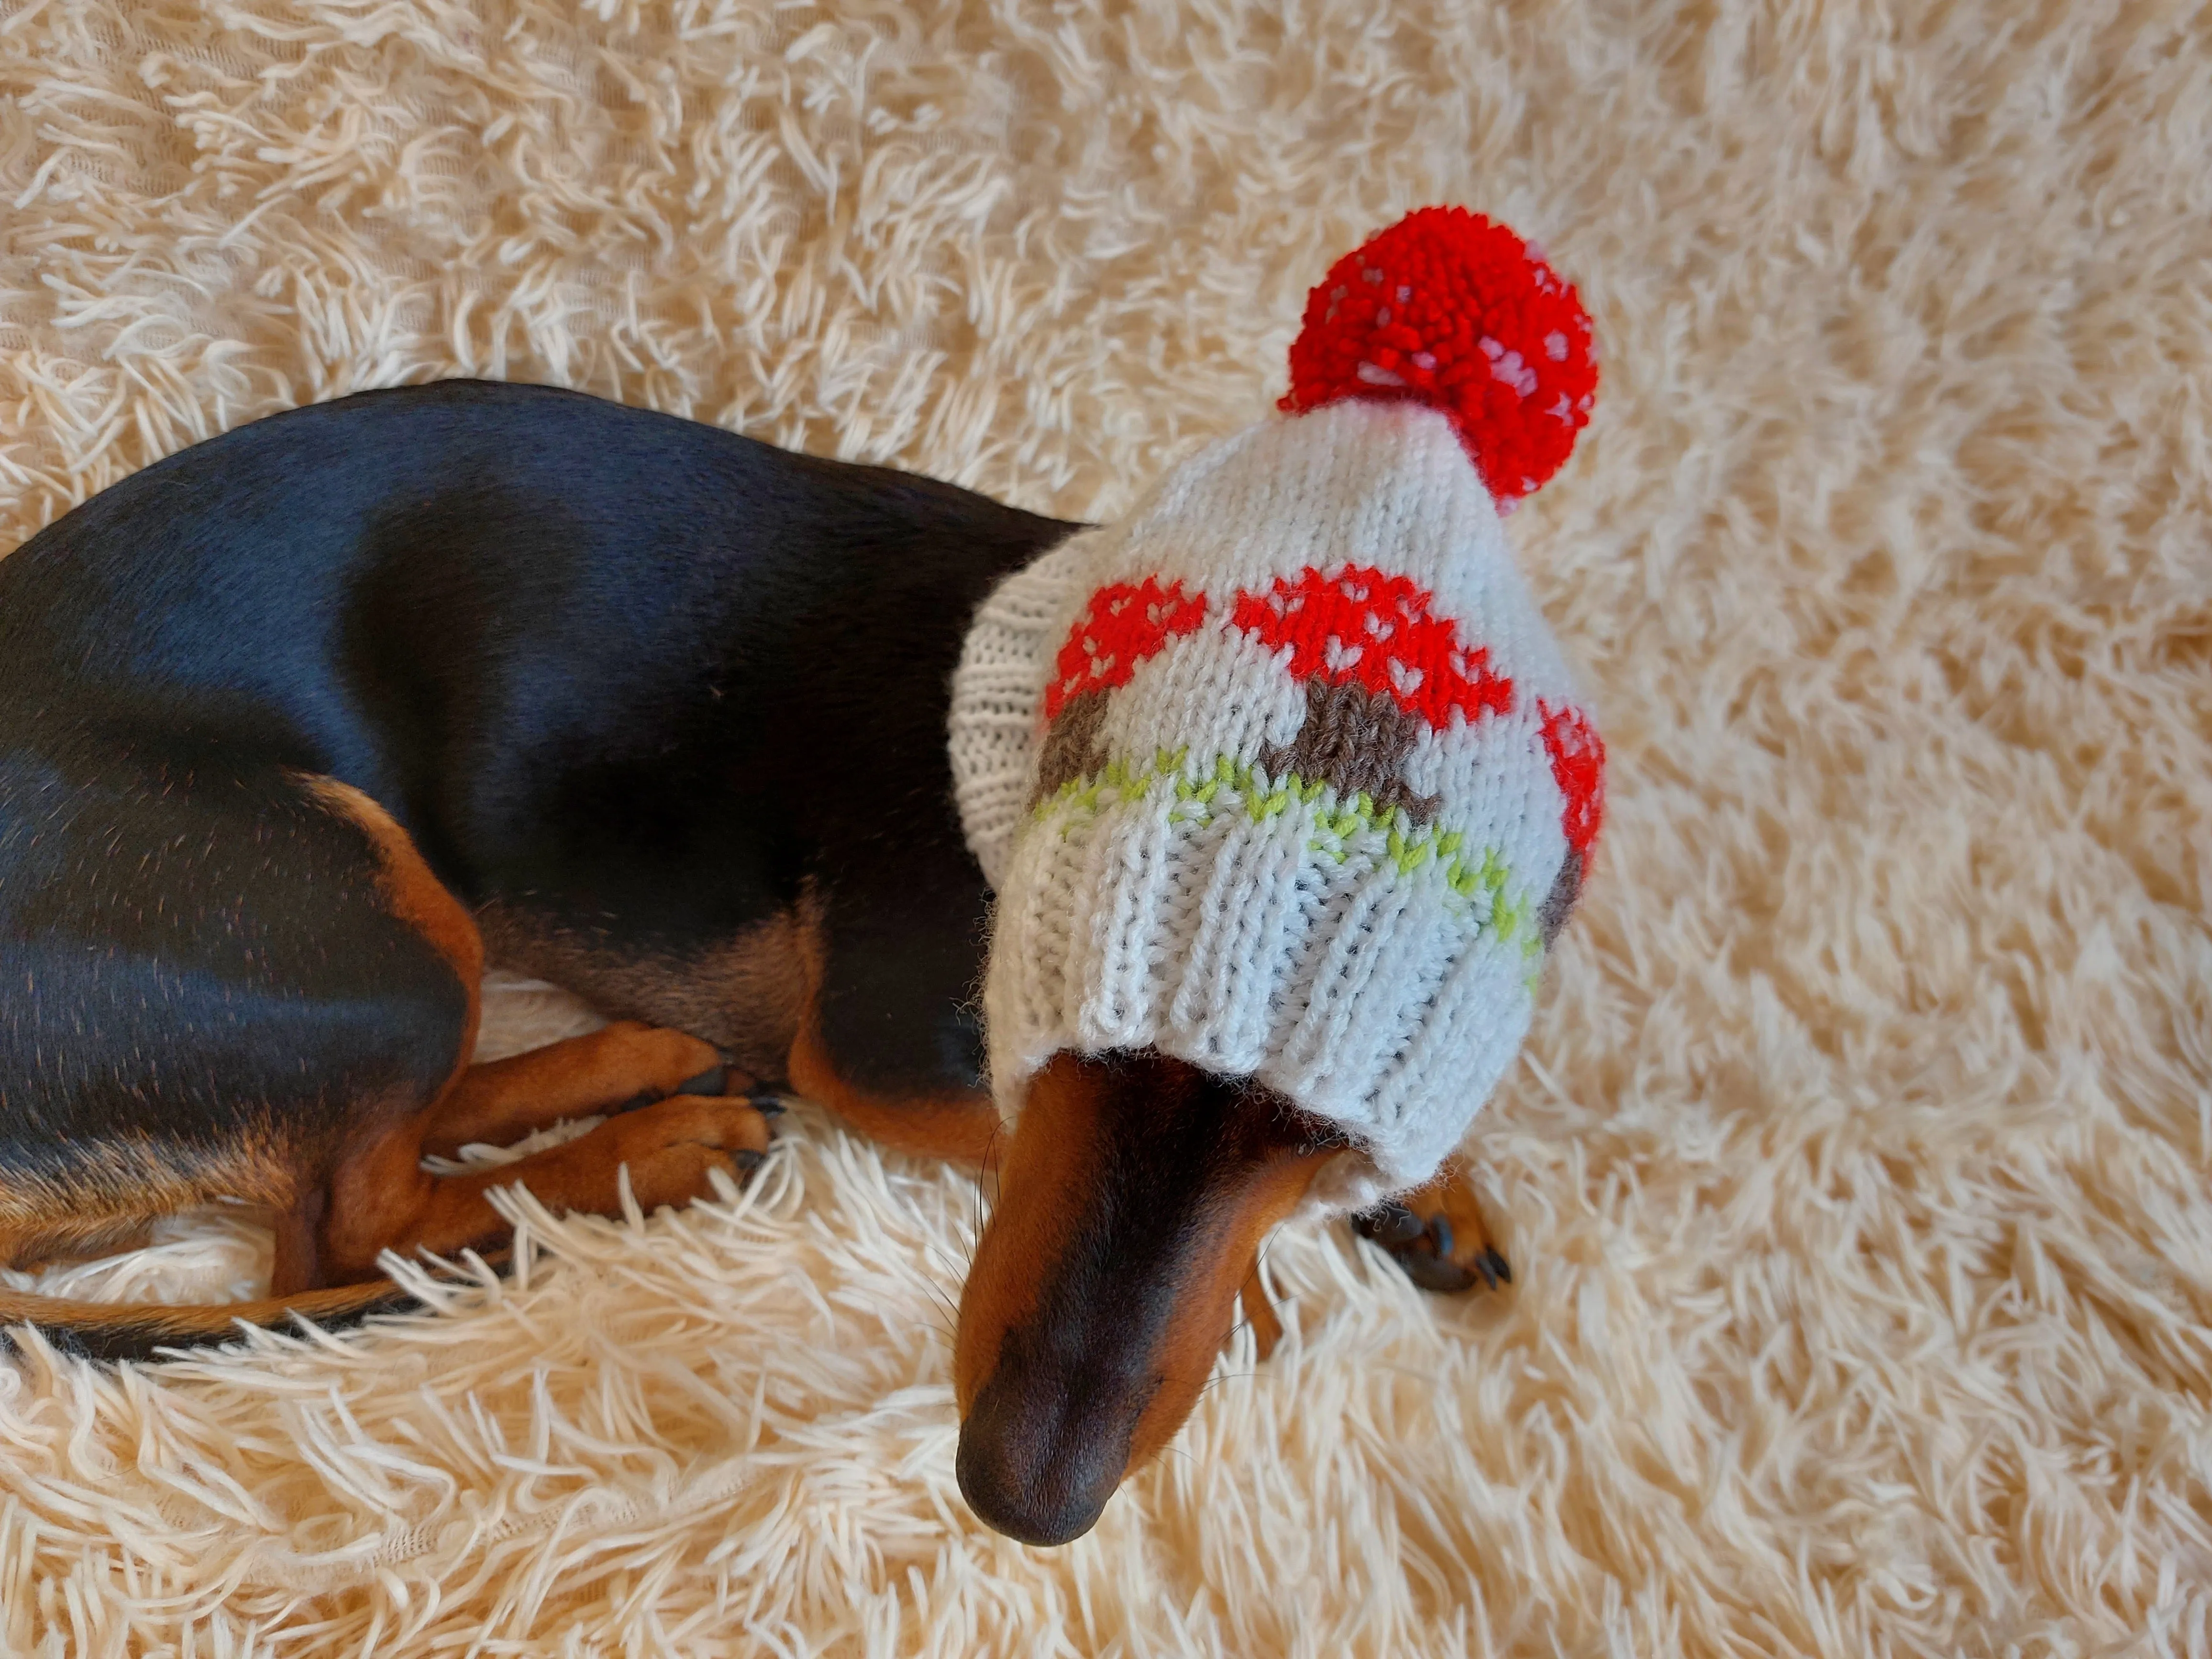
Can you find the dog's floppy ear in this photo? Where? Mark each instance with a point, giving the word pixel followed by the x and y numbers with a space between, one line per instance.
pixel 1133 1196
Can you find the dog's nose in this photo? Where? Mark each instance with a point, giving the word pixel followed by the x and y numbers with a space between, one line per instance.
pixel 1034 1464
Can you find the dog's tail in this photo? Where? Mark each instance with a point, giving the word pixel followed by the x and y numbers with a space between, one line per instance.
pixel 107 1330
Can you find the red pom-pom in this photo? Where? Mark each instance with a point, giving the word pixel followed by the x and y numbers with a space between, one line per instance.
pixel 1447 309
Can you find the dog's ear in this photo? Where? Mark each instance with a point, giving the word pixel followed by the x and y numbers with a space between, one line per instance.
pixel 1132 1199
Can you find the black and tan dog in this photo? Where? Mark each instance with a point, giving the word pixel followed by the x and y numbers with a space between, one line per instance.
pixel 301 726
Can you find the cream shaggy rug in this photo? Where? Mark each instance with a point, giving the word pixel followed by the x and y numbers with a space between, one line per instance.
pixel 1858 1181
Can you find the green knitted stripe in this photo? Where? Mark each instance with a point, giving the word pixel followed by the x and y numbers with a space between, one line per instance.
pixel 1339 821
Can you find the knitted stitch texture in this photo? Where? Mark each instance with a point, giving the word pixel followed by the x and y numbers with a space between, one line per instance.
pixel 1284 775
pixel 1273 841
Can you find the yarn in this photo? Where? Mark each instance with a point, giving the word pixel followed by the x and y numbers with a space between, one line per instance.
pixel 1284 775
pixel 1448 309
pixel 1362 626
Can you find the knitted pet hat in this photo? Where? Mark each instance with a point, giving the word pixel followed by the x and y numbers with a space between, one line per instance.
pixel 1283 775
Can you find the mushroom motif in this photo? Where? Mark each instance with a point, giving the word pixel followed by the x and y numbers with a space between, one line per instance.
pixel 1123 624
pixel 1377 664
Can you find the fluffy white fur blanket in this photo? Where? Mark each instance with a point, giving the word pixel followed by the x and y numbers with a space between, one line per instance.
pixel 1858 1179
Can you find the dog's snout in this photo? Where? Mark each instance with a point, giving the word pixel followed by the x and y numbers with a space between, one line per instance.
pixel 1132 1198
pixel 1038 1459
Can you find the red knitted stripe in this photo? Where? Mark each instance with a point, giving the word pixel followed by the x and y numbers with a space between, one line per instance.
pixel 1121 626
pixel 1361 627
pixel 1578 764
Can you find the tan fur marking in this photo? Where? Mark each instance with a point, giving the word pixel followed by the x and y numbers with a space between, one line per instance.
pixel 128 1184
pixel 961 1126
pixel 187 1326
pixel 1260 1313
pixel 1204 1306
pixel 1050 1154
pixel 377 1186
pixel 417 898
pixel 1451 1191
pixel 383 1201
pixel 502 1100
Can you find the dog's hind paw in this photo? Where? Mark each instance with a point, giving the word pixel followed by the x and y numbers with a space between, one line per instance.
pixel 1436 1234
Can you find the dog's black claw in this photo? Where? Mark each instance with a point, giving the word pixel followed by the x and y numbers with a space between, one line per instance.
pixel 748 1160
pixel 1436 1273
pixel 768 1102
pixel 1422 1246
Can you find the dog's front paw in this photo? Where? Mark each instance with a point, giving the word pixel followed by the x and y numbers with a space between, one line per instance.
pixel 673 1147
pixel 1436 1233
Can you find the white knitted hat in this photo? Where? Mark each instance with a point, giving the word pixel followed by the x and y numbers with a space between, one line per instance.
pixel 1284 775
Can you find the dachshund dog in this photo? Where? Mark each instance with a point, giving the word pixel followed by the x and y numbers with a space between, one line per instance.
pixel 302 727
